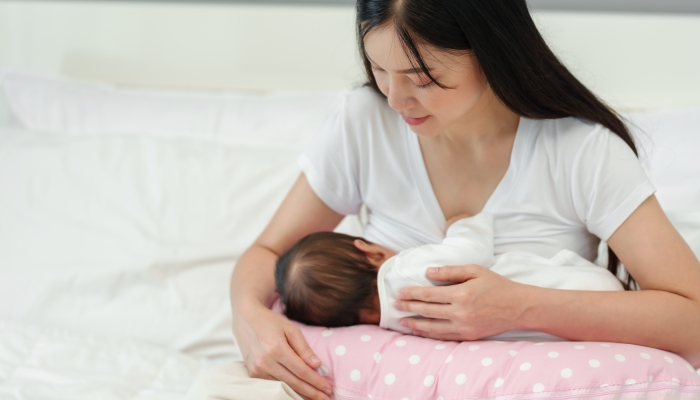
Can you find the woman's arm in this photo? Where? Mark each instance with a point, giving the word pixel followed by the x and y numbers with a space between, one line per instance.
pixel 665 314
pixel 272 347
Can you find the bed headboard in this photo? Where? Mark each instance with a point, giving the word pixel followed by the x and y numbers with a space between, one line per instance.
pixel 646 54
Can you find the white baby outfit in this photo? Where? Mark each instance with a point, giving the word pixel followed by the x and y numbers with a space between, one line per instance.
pixel 470 241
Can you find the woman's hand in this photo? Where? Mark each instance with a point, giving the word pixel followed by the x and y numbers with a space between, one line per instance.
pixel 273 348
pixel 482 304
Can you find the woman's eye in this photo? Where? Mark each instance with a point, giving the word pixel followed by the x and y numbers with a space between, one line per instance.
pixel 424 86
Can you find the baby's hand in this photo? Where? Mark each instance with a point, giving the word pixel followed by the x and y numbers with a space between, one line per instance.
pixel 455 219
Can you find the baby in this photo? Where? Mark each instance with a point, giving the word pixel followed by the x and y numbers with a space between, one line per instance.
pixel 331 279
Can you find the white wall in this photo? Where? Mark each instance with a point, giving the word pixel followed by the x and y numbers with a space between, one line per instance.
pixel 631 60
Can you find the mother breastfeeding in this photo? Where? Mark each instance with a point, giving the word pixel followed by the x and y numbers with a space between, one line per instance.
pixel 467 110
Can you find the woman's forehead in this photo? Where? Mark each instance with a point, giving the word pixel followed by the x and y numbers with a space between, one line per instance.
pixel 384 49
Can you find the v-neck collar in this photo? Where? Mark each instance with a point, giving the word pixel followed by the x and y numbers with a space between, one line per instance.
pixel 425 187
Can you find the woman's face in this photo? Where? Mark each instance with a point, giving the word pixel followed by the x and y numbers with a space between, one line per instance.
pixel 427 108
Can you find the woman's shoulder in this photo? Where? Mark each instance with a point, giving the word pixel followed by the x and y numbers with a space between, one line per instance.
pixel 571 130
pixel 366 104
pixel 365 116
pixel 567 137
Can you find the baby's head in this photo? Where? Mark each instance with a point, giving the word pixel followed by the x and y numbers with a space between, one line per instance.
pixel 330 279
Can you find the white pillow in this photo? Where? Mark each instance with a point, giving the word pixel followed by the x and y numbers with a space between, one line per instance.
pixel 669 142
pixel 68 106
pixel 132 236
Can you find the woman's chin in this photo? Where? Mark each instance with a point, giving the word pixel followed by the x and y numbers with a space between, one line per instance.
pixel 425 130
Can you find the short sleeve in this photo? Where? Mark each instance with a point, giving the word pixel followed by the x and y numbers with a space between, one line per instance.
pixel 608 182
pixel 331 164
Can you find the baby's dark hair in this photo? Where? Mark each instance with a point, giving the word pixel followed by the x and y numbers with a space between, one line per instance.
pixel 325 280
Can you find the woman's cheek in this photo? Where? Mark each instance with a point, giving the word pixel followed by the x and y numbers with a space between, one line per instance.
pixel 382 84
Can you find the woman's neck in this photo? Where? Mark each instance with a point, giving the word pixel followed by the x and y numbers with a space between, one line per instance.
pixel 488 121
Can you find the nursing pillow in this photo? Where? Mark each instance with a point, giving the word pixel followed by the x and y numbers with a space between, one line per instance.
pixel 368 362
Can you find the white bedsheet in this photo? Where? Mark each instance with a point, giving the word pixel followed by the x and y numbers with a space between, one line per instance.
pixel 48 363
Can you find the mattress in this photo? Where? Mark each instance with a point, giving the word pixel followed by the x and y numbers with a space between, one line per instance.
pixel 48 363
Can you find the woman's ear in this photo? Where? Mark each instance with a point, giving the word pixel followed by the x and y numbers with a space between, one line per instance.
pixel 372 251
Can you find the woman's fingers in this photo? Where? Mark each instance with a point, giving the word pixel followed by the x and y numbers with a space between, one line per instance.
pixel 298 343
pixel 290 359
pixel 440 336
pixel 441 294
pixel 428 294
pixel 428 310
pixel 457 274
pixel 302 388
pixel 436 326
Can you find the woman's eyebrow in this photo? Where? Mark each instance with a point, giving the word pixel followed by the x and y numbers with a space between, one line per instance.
pixel 404 71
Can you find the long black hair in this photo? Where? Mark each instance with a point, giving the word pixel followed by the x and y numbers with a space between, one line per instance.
pixel 520 68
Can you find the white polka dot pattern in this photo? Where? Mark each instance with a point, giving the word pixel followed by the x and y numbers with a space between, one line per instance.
pixel 355 375
pixel 369 360
pixel 389 379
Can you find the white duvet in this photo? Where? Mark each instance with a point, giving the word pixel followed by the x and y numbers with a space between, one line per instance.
pixel 47 363
pixel 122 216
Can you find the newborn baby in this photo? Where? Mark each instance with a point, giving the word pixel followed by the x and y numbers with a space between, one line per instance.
pixel 331 279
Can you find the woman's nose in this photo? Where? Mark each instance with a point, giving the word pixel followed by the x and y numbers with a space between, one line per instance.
pixel 398 97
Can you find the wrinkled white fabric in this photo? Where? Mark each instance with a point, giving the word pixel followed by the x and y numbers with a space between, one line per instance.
pixel 233 382
pixel 40 362
pixel 470 241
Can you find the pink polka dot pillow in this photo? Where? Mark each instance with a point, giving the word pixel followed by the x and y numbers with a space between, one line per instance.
pixel 367 362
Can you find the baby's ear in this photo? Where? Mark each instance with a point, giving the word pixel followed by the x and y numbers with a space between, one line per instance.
pixel 373 252
pixel 362 245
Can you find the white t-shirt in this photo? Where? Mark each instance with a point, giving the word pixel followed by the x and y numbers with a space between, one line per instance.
pixel 470 241
pixel 570 182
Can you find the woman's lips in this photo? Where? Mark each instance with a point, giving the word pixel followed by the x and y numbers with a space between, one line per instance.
pixel 415 121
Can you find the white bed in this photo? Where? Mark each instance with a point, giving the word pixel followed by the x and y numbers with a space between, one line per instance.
pixel 124 209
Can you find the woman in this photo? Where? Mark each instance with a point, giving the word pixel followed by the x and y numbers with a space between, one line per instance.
pixel 467 110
